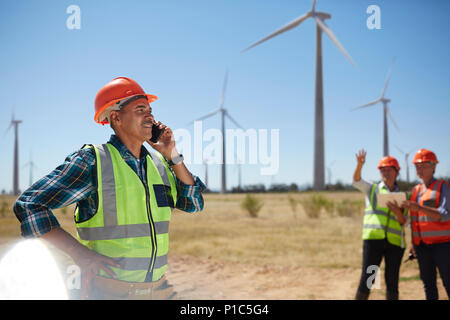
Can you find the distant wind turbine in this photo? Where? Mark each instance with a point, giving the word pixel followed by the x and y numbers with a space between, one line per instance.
pixel 205 162
pixel 32 166
pixel 406 154
pixel 386 112
pixel 224 113
pixel 319 149
pixel 239 170
pixel 329 171
pixel 15 123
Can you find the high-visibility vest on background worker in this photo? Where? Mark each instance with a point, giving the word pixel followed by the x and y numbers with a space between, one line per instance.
pixel 132 221
pixel 380 222
pixel 424 228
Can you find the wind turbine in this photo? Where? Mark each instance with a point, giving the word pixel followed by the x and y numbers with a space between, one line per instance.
pixel 239 170
pixel 31 165
pixel 319 149
pixel 329 171
pixel 224 113
pixel 406 154
pixel 386 112
pixel 15 123
pixel 205 162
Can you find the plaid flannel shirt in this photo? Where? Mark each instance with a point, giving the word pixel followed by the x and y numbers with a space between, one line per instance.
pixel 76 180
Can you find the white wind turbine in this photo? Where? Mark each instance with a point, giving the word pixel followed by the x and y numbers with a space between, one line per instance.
pixel 224 113
pixel 406 154
pixel 329 172
pixel 32 165
pixel 319 149
pixel 15 123
pixel 386 112
pixel 205 163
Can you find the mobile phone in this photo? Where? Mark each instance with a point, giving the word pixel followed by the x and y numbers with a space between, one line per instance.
pixel 156 133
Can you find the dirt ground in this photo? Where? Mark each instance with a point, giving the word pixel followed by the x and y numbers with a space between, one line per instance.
pixel 207 279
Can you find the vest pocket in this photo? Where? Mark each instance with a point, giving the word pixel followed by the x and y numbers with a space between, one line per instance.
pixel 163 195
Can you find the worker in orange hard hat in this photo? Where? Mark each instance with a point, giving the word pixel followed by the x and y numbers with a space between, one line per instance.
pixel 429 209
pixel 124 195
pixel 383 235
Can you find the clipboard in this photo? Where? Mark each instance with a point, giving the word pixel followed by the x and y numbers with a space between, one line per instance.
pixel 384 198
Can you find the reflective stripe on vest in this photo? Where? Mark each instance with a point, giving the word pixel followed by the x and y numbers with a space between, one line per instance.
pixel 425 228
pixel 380 223
pixel 132 221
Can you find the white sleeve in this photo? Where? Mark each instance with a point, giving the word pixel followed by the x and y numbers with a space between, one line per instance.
pixel 363 186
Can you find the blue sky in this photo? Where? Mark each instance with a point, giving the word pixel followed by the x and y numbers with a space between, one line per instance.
pixel 180 50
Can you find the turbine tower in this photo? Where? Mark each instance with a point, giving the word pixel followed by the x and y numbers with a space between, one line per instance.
pixel 406 154
pixel 223 113
pixel 386 113
pixel 15 123
pixel 205 162
pixel 32 166
pixel 319 145
pixel 329 172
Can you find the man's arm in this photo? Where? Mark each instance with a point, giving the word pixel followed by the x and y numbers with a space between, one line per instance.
pixel 360 160
pixel 189 188
pixel 358 182
pixel 190 198
pixel 88 260
pixel 67 184
pixel 182 173
pixel 439 213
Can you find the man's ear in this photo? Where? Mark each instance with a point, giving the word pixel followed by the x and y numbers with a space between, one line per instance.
pixel 114 117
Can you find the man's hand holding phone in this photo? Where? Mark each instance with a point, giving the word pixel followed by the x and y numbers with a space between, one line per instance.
pixel 163 141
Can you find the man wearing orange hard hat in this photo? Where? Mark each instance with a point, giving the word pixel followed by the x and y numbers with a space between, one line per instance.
pixel 124 195
pixel 429 209
pixel 383 235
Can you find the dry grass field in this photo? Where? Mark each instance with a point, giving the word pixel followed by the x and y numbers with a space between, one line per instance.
pixel 224 253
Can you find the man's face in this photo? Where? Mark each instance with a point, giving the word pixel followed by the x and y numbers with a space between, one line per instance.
pixel 388 174
pixel 134 120
pixel 425 170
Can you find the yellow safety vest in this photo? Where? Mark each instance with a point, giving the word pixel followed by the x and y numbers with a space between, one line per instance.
pixel 131 224
pixel 380 222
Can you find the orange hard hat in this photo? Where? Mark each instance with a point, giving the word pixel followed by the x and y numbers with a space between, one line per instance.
pixel 118 89
pixel 388 161
pixel 424 155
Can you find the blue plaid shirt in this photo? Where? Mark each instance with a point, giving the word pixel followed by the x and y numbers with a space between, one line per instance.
pixel 76 180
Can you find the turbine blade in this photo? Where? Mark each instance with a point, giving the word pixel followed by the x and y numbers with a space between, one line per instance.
pixel 313 8
pixel 367 105
pixel 232 120
pixel 222 101
pixel 387 79
pixel 7 130
pixel 333 38
pixel 392 119
pixel 409 152
pixel 401 151
pixel 205 116
pixel 285 28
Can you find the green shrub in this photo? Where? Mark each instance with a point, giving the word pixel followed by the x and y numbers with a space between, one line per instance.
pixel 293 203
pixel 4 208
pixel 348 208
pixel 314 204
pixel 252 205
